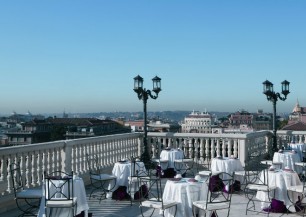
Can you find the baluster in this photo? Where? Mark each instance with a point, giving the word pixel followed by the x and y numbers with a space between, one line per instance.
pixel 218 147
pixel 2 168
pixel 33 168
pixel 153 147
pixel 195 153
pixel 224 146
pixel 58 160
pixel 27 162
pixel 49 160
pixel 207 145
pixel 236 151
pixel 113 148
pixel 213 147
pixel 190 151
pixel 83 164
pixel 201 149
pixel 170 143
pixel 186 147
pixel 44 162
pixel 74 160
pixel 9 177
pixel 52 166
pixel 38 168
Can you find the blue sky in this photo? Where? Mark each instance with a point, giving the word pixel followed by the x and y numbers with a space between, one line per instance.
pixel 82 56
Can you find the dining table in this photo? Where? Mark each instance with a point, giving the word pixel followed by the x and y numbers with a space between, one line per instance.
pixel 184 191
pixel 79 193
pixel 282 179
pixel 122 170
pixel 171 155
pixel 288 158
pixel 299 148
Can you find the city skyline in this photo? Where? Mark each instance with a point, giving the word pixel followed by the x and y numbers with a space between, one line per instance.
pixel 81 57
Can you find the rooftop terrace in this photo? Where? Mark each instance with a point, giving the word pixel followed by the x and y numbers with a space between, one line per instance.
pixel 69 155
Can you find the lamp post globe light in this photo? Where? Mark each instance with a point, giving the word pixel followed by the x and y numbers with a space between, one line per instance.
pixel 144 94
pixel 273 97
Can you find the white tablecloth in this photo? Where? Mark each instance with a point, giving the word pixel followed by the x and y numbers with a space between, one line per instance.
pixel 299 148
pixel 171 155
pixel 185 193
pixel 288 159
pixel 79 193
pixel 122 171
pixel 227 165
pixel 281 179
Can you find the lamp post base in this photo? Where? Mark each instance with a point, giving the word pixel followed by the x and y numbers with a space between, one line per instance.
pixel 146 159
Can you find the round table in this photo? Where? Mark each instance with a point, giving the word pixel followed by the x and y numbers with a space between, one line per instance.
pixel 185 193
pixel 288 159
pixel 282 180
pixel 171 155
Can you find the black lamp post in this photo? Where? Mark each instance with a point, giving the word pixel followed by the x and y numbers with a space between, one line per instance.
pixel 273 97
pixel 144 95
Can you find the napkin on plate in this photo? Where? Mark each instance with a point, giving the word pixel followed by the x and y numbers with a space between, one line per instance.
pixel 192 180
pixel 272 168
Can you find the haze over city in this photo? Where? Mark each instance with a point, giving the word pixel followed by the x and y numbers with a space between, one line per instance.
pixel 82 56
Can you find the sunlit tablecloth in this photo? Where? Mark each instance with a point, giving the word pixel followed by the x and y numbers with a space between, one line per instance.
pixel 79 193
pixel 122 170
pixel 171 155
pixel 288 158
pixel 185 193
pixel 282 180
pixel 299 148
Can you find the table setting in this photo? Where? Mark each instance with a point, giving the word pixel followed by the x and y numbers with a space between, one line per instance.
pixel 171 155
pixel 122 170
pixel 185 191
pixel 281 179
pixel 288 158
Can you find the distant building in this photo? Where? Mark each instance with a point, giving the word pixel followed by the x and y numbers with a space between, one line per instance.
pixel 159 126
pixel 297 119
pixel 243 121
pixel 241 118
pixel 298 114
pixel 153 126
pixel 51 129
pixel 197 122
pixel 136 125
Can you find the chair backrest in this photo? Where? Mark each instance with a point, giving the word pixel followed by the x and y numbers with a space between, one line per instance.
pixel 93 165
pixel 138 168
pixel 204 163
pixel 17 179
pixel 153 190
pixel 263 176
pixel 252 168
pixel 59 186
pixel 220 188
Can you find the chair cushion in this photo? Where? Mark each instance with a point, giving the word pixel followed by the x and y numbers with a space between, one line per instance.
pixel 153 203
pixel 205 172
pixel 30 193
pixel 103 177
pixel 211 206
pixel 260 187
pixel 61 203
pixel 240 173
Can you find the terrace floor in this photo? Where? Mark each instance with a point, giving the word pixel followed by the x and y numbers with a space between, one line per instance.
pixel 112 208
